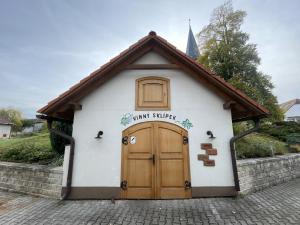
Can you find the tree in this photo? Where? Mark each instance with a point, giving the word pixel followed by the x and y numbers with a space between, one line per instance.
pixel 14 116
pixel 225 50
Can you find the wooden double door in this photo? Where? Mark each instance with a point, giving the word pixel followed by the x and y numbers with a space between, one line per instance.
pixel 155 162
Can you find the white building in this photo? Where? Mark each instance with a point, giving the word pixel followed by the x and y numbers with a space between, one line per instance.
pixel 5 128
pixel 163 123
pixel 35 126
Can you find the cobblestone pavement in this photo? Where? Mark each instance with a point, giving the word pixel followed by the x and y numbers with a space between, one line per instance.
pixel 276 205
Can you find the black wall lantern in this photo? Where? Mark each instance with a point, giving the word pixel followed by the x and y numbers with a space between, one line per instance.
pixel 209 133
pixel 100 133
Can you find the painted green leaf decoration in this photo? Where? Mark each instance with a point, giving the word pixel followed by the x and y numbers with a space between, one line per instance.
pixel 187 124
pixel 126 119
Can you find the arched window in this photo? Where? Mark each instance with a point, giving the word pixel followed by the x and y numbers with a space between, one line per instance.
pixel 152 93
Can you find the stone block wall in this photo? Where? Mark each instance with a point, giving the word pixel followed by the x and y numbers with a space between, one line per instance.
pixel 257 174
pixel 31 179
pixel 254 175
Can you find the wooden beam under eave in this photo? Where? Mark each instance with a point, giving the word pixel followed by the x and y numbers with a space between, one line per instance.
pixel 66 115
pixel 229 104
pixel 76 106
pixel 152 66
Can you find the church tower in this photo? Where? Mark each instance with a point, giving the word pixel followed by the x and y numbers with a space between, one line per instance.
pixel 191 47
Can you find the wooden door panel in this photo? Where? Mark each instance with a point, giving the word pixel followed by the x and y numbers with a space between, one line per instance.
pixel 139 174
pixel 169 140
pixel 143 140
pixel 164 177
pixel 173 167
pixel 171 173
pixel 137 164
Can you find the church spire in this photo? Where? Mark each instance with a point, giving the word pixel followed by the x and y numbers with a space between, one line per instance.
pixel 191 47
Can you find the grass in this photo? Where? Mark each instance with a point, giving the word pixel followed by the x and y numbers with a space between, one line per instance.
pixel 35 148
pixel 260 145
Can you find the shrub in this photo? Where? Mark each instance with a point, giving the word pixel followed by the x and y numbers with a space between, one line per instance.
pixel 281 130
pixel 58 143
pixel 293 141
pixel 241 127
pixel 258 145
pixel 35 148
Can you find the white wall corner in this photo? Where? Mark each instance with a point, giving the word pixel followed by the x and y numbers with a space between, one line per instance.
pixel 66 165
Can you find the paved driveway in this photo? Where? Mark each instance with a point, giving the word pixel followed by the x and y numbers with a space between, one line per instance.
pixel 276 205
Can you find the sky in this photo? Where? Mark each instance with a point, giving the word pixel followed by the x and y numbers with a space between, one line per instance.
pixel 46 46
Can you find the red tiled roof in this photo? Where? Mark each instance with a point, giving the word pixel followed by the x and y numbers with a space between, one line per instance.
pixel 154 41
pixel 5 121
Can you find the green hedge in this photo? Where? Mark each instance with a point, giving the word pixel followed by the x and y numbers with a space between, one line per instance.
pixel 259 145
pixel 281 130
pixel 33 149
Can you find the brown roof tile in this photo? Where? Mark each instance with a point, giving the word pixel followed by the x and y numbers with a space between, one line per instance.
pixel 155 40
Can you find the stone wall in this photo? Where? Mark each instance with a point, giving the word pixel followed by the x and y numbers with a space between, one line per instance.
pixel 257 174
pixel 31 179
pixel 254 175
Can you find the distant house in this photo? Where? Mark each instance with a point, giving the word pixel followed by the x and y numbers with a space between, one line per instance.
pixel 5 128
pixel 291 110
pixel 35 125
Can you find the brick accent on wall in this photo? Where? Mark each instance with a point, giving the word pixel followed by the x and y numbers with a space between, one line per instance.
pixel 31 179
pixel 206 145
pixel 209 150
pixel 209 162
pixel 203 157
pixel 212 151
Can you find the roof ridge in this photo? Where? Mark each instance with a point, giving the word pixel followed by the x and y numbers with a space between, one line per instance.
pixel 188 61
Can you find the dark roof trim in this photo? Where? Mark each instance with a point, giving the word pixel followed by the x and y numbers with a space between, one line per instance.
pixel 4 121
pixel 56 107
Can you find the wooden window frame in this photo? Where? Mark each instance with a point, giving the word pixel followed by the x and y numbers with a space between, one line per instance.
pixel 152 108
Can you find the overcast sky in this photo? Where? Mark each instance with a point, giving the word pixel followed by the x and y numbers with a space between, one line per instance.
pixel 48 45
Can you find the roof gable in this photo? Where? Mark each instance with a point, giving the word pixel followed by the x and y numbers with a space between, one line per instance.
pixel 4 121
pixel 289 104
pixel 242 106
pixel 152 57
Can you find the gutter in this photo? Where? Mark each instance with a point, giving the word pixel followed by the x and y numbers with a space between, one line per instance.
pixel 65 193
pixel 233 153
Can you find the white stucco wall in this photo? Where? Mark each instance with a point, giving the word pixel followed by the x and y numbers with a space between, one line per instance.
pixel 97 162
pixel 5 129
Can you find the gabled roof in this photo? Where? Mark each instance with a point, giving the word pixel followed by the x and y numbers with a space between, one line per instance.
pixel 4 121
pixel 242 106
pixel 289 104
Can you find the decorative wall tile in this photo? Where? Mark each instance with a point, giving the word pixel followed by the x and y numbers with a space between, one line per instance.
pixel 209 162
pixel 209 150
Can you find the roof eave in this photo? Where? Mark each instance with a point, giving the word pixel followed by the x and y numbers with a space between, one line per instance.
pixel 52 106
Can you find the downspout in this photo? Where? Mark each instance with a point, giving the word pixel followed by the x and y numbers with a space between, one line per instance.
pixel 66 192
pixel 233 153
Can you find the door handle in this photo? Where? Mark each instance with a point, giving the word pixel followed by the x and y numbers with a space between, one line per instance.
pixel 152 158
